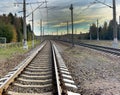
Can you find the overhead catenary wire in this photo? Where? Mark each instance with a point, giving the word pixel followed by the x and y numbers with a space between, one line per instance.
pixel 35 9
pixel 97 1
pixel 31 7
pixel 59 8
pixel 88 7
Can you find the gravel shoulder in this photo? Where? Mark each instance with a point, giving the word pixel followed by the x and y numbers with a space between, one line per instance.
pixel 95 72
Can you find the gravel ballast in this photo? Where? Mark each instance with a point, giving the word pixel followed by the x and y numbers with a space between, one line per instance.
pixel 95 72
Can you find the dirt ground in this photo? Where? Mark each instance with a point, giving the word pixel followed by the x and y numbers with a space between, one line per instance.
pixel 95 72
pixel 8 64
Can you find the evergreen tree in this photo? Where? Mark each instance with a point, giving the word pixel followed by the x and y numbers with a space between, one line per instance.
pixel 104 31
pixel 6 31
pixel 93 30
pixel 11 18
pixel 14 28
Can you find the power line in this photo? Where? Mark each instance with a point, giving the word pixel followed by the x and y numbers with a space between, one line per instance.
pixel 31 7
pixel 96 1
pixel 35 9
pixel 88 6
pixel 40 11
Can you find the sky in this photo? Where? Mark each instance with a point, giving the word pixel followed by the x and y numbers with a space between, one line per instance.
pixel 57 13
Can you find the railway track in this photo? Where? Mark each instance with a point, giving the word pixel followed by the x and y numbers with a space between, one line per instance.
pixel 42 73
pixel 114 51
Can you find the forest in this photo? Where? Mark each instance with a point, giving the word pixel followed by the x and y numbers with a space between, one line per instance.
pixel 11 27
pixel 105 31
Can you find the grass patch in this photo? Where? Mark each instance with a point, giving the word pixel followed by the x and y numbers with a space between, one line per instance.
pixel 14 50
pixel 8 52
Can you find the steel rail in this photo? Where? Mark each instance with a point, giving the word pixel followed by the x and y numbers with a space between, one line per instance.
pixel 101 48
pixel 5 82
pixel 115 51
pixel 64 80
pixel 59 91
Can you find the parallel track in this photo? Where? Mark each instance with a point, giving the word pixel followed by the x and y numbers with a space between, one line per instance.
pixel 42 73
pixel 111 50
pixel 114 51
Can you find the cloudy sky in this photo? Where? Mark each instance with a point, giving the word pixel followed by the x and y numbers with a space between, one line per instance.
pixel 57 14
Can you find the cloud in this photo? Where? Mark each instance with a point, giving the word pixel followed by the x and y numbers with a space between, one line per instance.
pixel 85 13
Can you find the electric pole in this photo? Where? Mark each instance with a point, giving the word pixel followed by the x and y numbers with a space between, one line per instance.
pixel 115 42
pixel 33 29
pixel 67 28
pixel 90 33
pixel 71 8
pixel 76 31
pixel 57 34
pixel 119 27
pixel 25 46
pixel 43 33
pixel 41 28
pixel 97 30
pixel 57 31
pixel 119 20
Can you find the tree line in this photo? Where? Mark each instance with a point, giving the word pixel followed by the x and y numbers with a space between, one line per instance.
pixel 105 31
pixel 11 27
